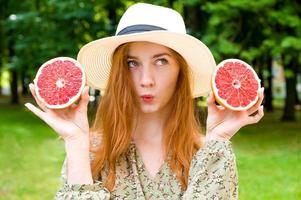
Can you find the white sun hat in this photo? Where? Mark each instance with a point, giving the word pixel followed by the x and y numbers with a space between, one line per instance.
pixel 151 23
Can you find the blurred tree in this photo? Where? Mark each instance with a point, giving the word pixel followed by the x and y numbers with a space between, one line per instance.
pixel 7 45
pixel 45 29
pixel 252 31
pixel 255 31
pixel 3 8
pixel 237 29
pixel 288 22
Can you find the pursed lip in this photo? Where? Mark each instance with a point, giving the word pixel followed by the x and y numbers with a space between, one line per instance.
pixel 147 96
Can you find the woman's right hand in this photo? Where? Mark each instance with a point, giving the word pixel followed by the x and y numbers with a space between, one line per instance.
pixel 70 123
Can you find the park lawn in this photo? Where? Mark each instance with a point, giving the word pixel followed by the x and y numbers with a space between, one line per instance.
pixel 268 158
pixel 30 156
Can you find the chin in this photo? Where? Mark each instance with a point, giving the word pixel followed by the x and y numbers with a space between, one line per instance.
pixel 149 109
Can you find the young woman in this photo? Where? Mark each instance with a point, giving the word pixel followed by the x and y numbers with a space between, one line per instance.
pixel 146 142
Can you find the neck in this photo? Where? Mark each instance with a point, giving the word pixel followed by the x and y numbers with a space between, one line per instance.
pixel 150 126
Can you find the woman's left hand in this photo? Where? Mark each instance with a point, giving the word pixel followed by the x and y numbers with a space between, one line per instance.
pixel 223 123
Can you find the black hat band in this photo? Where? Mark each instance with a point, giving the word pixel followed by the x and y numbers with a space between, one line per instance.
pixel 139 28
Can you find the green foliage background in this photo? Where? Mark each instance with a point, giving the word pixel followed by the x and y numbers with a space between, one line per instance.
pixel 258 32
pixel 38 30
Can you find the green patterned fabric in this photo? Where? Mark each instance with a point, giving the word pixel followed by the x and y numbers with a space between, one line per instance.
pixel 212 175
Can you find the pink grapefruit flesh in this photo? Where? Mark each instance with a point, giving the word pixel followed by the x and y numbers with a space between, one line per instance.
pixel 235 84
pixel 59 82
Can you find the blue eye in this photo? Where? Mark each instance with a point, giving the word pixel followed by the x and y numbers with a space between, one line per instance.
pixel 132 63
pixel 162 61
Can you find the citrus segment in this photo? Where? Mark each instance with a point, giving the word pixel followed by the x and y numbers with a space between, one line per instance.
pixel 59 82
pixel 235 84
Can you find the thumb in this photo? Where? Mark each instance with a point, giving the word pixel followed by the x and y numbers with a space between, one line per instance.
pixel 84 101
pixel 36 111
pixel 211 102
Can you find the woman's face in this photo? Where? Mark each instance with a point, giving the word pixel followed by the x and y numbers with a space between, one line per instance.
pixel 154 72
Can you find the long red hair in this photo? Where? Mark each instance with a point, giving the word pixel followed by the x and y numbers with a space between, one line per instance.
pixel 114 123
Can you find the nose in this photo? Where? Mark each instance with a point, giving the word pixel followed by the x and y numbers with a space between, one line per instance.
pixel 147 77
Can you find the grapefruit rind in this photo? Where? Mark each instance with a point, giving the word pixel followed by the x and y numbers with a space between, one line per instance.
pixel 222 101
pixel 71 100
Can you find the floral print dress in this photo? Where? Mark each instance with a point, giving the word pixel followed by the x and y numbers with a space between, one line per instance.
pixel 212 175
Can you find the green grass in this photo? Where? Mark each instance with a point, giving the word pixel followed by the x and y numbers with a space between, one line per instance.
pixel 268 158
pixel 30 156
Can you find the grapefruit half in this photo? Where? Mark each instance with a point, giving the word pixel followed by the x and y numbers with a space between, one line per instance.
pixel 59 82
pixel 235 84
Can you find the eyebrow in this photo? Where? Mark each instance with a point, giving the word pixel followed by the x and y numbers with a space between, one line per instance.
pixel 155 56
pixel 161 54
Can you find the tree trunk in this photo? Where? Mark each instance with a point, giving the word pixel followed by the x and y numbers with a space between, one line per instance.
pixel 268 103
pixel 297 97
pixel 259 62
pixel 170 3
pixel 0 82
pixel 14 87
pixel 3 9
pixel 25 83
pixel 195 19
pixel 13 76
pixel 111 7
pixel 290 100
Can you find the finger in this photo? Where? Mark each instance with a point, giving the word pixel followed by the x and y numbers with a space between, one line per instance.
pixel 84 101
pixel 81 106
pixel 73 106
pixel 220 107
pixel 40 104
pixel 36 111
pixel 42 115
pixel 211 102
pixel 256 118
pixel 256 106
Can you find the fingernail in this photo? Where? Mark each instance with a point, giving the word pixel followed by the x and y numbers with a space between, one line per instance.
pixel 26 105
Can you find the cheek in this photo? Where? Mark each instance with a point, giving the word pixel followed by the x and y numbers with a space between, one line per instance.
pixel 135 80
pixel 169 82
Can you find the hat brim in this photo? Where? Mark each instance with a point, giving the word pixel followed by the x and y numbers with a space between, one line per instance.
pixel 96 57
